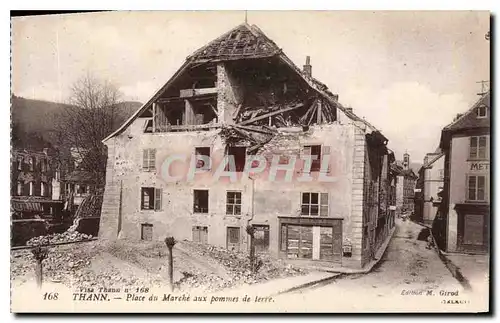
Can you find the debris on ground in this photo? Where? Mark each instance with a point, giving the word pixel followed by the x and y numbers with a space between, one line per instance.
pixel 124 263
pixel 68 236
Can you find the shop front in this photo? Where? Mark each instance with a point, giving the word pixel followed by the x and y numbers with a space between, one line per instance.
pixel 311 238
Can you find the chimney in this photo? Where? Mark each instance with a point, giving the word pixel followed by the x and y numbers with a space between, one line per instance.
pixel 308 67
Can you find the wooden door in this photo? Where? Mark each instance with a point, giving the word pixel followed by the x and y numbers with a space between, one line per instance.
pixel 261 239
pixel 233 238
pixel 147 232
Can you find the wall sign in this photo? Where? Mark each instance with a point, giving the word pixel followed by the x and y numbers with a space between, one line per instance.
pixel 481 167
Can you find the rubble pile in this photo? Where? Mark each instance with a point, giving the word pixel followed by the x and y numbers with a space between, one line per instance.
pixel 238 267
pixel 68 236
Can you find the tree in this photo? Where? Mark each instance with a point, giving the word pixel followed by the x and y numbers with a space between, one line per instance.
pixel 92 115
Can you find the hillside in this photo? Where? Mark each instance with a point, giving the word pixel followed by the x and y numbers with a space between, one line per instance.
pixel 36 117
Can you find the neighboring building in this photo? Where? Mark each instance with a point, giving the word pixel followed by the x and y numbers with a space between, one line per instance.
pixel 405 186
pixel 33 176
pixel 429 186
pixel 466 196
pixel 241 97
pixel 79 184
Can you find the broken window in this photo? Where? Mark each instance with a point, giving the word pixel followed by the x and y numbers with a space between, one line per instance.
pixel 149 160
pixel 44 188
pixel 20 186
pixel 315 152
pixel 314 204
pixel 233 203
pixel 148 126
pixel 200 203
pixel 151 198
pixel 20 163
pixel 32 162
pixel 239 155
pixel 202 163
pixel 32 188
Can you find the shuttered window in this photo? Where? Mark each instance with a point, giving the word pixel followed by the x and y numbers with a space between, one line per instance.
pixel 151 198
pixel 149 160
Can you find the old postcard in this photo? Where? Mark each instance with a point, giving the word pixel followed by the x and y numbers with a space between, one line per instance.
pixel 260 161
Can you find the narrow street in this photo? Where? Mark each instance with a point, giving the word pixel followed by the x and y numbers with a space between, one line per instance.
pixel 399 281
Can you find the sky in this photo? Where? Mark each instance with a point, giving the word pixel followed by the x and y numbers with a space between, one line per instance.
pixel 408 73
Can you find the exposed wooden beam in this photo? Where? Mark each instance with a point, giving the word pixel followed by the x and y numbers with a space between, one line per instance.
pixel 319 113
pixel 194 98
pixel 187 93
pixel 270 114
pixel 265 131
pixel 237 112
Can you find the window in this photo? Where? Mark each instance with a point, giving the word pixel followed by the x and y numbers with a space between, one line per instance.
pixel 43 189
pixel 81 189
pixel 43 165
pixel 20 188
pixel 478 147
pixel 32 188
pixel 233 203
pixel 149 160
pixel 314 204
pixel 315 152
pixel 148 126
pixel 200 203
pixel 482 111
pixel 151 198
pixel 200 234
pixel 476 187
pixel 239 154
pixel 20 163
pixel 200 163
pixel 32 163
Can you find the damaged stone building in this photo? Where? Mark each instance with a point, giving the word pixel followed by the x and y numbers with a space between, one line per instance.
pixel 241 97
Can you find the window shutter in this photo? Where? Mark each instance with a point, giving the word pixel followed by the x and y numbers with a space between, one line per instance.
pixel 325 150
pixel 323 204
pixel 142 198
pixel 306 152
pixel 145 159
pixel 158 195
pixel 152 159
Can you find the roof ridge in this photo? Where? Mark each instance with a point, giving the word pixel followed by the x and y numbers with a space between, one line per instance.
pixel 466 113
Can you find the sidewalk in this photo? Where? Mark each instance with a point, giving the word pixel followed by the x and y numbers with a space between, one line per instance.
pixel 475 268
pixel 472 271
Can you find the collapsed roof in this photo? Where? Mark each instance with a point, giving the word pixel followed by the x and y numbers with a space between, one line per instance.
pixel 248 43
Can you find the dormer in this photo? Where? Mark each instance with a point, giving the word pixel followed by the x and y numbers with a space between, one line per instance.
pixel 482 111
